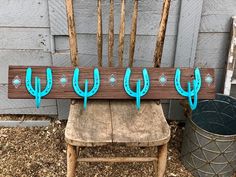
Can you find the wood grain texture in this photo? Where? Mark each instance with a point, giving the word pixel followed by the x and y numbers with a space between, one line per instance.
pixel 71 160
pixel 141 128
pixel 25 123
pixel 59 59
pixel 87 46
pixel 63 59
pixel 89 127
pixel 121 33
pixel 117 159
pixel 84 12
pixel 189 24
pixel 212 50
pixel 20 57
pixel 161 34
pixel 24 106
pixel 216 23
pixel 17 13
pixel 72 33
pixel 162 160
pixel 216 15
pixel 111 34
pixel 99 33
pixel 133 33
pixel 25 38
pixel 107 90
pixel 187 40
pixel 146 127
pixel 63 107
pixel 58 17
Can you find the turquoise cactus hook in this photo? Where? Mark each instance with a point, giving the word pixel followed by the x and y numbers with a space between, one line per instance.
pixel 36 92
pixel 190 93
pixel 193 105
pixel 85 94
pixel 139 93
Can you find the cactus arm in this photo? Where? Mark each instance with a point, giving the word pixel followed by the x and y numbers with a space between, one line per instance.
pixel 138 94
pixel 76 87
pixel 193 104
pixel 126 83
pixel 178 86
pixel 85 93
pixel 48 87
pixel 28 81
pixel 38 92
pixel 96 81
pixel 198 79
pixel 146 82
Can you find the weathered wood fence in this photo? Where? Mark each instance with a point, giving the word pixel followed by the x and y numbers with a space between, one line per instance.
pixel 35 33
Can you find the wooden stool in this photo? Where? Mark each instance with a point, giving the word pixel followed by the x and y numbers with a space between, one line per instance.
pixel 118 122
pixel 106 121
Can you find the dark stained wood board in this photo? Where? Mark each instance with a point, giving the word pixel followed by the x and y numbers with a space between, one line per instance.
pixel 106 90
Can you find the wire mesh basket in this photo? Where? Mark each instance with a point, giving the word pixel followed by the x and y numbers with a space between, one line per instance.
pixel 209 144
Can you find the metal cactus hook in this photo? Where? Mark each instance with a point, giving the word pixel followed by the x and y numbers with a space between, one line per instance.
pixel 139 93
pixel 85 94
pixel 36 92
pixel 193 105
pixel 190 93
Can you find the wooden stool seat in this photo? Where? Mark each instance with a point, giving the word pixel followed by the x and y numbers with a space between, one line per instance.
pixel 106 121
pixel 115 121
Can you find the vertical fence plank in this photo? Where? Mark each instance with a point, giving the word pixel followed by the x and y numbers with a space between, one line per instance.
pixel 133 33
pixel 189 24
pixel 188 30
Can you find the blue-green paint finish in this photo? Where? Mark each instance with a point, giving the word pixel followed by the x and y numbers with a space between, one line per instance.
pixel 190 93
pixel 36 92
pixel 85 94
pixel 139 93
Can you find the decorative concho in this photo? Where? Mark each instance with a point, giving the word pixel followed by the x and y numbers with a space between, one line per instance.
pixel 209 79
pixel 16 81
pixel 63 80
pixel 163 79
pixel 112 80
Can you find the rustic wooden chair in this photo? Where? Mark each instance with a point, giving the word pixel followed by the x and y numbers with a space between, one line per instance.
pixel 106 121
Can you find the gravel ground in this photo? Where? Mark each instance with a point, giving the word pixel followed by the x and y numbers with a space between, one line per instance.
pixel 37 152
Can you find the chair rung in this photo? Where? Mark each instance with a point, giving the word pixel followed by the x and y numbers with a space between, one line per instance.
pixel 118 159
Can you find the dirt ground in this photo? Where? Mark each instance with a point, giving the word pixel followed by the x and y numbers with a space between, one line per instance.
pixel 38 152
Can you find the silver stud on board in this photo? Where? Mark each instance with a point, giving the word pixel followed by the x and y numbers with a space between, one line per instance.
pixel 63 80
pixel 163 79
pixel 16 81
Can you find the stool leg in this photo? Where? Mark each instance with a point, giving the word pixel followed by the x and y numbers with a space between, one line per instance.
pixel 162 160
pixel 71 160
